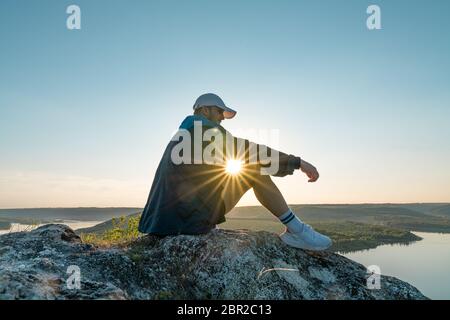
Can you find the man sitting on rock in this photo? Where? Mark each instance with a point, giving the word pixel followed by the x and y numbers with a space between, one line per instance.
pixel 204 171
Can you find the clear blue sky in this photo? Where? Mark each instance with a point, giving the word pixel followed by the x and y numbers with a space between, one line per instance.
pixel 85 115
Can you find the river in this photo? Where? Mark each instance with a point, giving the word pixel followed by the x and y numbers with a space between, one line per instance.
pixel 425 264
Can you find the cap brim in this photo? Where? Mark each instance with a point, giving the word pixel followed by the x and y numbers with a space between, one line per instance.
pixel 228 113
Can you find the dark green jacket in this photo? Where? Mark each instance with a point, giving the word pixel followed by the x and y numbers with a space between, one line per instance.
pixel 186 198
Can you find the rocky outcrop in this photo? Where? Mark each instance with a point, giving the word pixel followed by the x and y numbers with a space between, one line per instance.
pixel 220 265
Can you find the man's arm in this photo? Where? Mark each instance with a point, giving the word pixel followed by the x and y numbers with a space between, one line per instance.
pixel 287 163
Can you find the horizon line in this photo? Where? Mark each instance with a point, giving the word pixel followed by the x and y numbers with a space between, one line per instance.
pixel 292 204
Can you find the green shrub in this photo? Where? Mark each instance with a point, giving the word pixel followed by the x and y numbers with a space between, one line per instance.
pixel 124 230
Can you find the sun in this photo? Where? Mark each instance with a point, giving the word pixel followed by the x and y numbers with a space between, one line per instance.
pixel 233 166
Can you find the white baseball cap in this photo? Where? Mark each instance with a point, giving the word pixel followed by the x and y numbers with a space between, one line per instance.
pixel 213 100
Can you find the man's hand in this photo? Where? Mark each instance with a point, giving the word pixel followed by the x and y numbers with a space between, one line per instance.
pixel 309 170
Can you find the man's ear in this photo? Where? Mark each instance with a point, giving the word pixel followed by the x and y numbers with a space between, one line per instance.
pixel 205 111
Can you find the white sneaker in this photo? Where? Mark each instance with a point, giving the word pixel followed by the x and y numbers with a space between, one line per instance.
pixel 308 239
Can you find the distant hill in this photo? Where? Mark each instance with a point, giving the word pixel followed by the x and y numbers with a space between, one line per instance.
pixel 443 210
pixel 333 212
pixel 429 217
pixel 46 215
pixel 411 217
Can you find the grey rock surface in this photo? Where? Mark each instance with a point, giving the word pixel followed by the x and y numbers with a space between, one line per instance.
pixel 222 264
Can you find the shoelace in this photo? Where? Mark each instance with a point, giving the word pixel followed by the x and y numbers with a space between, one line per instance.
pixel 311 232
pixel 306 227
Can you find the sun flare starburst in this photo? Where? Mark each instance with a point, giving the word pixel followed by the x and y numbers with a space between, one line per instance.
pixel 233 166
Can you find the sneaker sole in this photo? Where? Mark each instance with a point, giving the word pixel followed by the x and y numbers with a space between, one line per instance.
pixel 289 240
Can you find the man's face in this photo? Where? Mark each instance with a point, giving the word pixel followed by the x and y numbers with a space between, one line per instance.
pixel 214 114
